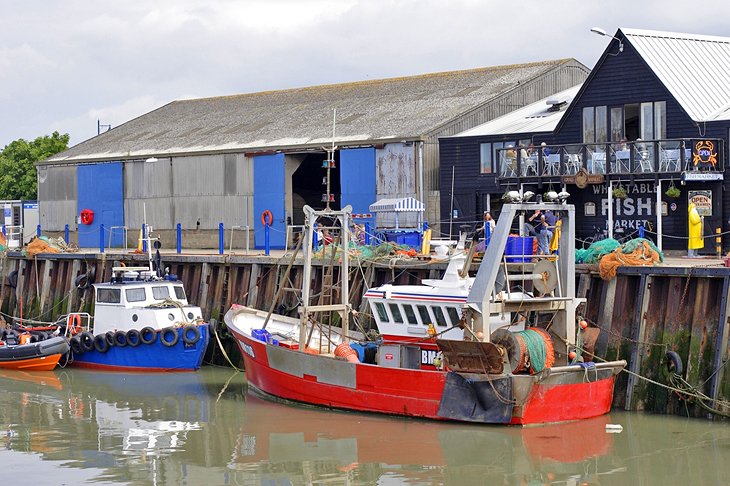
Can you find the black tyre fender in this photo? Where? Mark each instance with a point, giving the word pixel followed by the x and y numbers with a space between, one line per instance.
pixel 674 363
pixel 81 282
pixel 191 334
pixel 75 344
pixel 34 338
pixel 147 335
pixel 87 341
pixel 133 338
pixel 13 279
pixel 109 337
pixel 100 343
pixel 120 338
pixel 169 336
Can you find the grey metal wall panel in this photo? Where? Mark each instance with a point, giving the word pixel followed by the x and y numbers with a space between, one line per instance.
pixel 198 176
pixel 395 166
pixel 57 191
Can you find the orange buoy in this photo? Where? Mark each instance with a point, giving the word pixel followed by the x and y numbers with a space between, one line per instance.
pixel 583 324
pixel 572 355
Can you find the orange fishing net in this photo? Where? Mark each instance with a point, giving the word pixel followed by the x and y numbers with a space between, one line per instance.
pixel 39 246
pixel 641 255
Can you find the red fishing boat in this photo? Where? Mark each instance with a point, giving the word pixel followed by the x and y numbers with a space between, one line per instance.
pixel 524 377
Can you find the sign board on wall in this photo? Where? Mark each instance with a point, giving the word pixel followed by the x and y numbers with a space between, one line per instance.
pixel 702 201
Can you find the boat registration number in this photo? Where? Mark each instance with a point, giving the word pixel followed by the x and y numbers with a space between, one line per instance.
pixel 247 349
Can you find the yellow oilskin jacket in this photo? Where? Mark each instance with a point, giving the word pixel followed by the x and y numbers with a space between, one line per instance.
pixel 695 229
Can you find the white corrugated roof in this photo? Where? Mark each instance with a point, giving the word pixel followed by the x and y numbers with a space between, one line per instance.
pixel 404 204
pixel 694 68
pixel 530 119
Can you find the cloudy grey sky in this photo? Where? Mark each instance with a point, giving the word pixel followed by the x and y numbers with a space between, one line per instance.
pixel 65 64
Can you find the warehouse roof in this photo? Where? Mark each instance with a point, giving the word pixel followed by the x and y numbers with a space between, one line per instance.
pixel 377 111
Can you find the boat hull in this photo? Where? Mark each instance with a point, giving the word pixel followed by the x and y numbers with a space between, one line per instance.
pixel 40 356
pixel 147 357
pixel 567 394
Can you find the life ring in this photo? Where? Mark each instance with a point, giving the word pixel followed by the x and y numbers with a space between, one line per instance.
pixel 169 336
pixel 187 337
pixel 87 341
pixel 100 343
pixel 73 324
pixel 674 363
pixel 87 216
pixel 147 335
pixel 133 338
pixel 267 219
pixel 120 338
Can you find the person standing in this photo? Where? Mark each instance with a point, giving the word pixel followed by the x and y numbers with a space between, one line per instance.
pixel 695 241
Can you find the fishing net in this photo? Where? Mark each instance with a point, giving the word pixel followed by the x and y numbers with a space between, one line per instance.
pixel 636 252
pixel 596 251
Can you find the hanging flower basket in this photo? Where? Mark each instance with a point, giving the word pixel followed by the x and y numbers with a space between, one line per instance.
pixel 619 192
pixel 673 191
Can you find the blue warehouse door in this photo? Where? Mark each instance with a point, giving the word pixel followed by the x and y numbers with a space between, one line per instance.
pixel 101 189
pixel 269 194
pixel 357 181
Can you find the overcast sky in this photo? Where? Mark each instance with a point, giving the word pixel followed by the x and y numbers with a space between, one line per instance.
pixel 65 64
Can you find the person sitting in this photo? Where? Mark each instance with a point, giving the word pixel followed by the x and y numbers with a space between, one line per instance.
pixel 545 149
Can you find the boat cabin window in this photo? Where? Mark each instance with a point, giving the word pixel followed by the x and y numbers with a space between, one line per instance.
pixel 180 292
pixel 382 314
pixel 135 295
pixel 160 293
pixel 425 316
pixel 108 296
pixel 453 315
pixel 440 317
pixel 397 317
pixel 410 314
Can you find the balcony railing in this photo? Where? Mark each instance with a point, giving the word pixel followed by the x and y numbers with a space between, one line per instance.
pixel 616 158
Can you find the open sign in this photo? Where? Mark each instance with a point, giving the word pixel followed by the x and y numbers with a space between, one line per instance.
pixel 702 201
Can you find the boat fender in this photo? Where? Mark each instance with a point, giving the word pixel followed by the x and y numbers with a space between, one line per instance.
pixel 120 338
pixel 191 334
pixel 87 341
pixel 267 219
pixel 34 338
pixel 212 327
pixel 73 323
pixel 147 335
pixel 674 363
pixel 13 279
pixel 133 338
pixel 85 280
pixel 25 338
pixel 100 343
pixel 169 336
pixel 109 336
pixel 75 343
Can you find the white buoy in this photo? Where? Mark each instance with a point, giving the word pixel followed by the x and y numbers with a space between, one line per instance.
pixel 614 428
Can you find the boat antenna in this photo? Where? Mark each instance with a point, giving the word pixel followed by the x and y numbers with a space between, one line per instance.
pixel 329 164
pixel 146 236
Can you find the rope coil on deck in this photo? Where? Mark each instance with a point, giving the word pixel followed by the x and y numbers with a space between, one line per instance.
pixel 536 350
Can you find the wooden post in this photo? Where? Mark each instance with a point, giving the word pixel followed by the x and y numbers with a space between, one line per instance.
pixel 638 330
pixel 253 290
pixel 721 354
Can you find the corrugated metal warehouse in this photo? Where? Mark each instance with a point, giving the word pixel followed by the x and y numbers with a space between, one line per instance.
pixel 202 162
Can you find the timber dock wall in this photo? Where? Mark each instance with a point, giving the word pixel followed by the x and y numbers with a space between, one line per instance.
pixel 642 313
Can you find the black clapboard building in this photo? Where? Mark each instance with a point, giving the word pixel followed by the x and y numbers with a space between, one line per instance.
pixel 654 114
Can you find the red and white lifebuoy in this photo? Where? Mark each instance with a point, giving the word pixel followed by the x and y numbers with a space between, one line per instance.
pixel 267 219
pixel 87 216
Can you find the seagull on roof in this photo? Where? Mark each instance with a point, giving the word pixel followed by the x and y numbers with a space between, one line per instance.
pixel 512 196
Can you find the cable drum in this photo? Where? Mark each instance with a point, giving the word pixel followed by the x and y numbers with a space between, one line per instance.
pixel 529 349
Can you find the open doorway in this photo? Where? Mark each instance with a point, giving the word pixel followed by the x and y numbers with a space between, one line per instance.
pixel 309 184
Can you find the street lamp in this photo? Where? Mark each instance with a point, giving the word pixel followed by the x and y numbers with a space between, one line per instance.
pixel 600 31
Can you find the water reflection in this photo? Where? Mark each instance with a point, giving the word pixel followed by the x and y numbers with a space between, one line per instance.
pixel 206 428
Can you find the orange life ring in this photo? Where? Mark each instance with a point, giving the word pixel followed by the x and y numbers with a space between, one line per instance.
pixel 267 218
pixel 73 323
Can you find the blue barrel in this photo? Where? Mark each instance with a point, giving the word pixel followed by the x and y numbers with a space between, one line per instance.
pixel 519 245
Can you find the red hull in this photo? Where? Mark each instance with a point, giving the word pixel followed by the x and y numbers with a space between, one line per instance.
pixel 397 391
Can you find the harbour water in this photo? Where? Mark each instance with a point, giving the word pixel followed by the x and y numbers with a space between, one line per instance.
pixel 80 427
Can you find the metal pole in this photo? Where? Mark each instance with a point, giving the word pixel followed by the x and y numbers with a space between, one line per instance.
pixel 179 238
pixel 367 232
pixel 220 238
pixel 659 215
pixel 451 209
pixel 610 209
pixel 38 230
pixel 101 238
pixel 65 233
pixel 144 238
pixel 266 239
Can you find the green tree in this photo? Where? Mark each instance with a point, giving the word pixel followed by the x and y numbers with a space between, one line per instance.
pixel 18 179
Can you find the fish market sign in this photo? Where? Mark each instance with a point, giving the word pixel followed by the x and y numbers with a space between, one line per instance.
pixel 638 208
pixel 702 201
pixel 692 176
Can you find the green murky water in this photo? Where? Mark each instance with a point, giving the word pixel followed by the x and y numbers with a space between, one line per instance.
pixel 80 427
